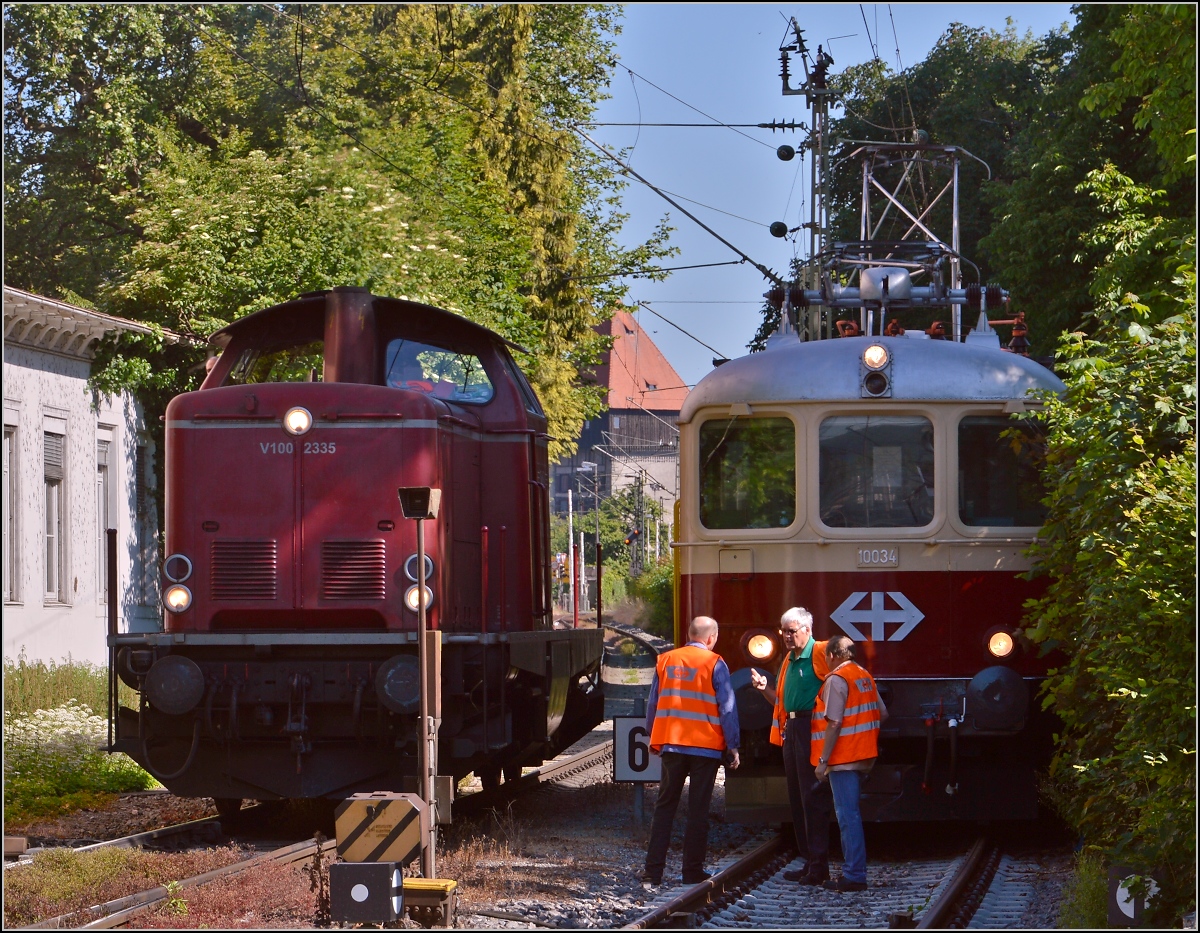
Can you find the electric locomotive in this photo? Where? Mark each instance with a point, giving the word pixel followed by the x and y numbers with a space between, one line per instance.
pixel 880 481
pixel 287 666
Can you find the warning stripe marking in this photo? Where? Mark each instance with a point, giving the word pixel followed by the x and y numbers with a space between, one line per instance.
pixel 397 831
pixel 361 828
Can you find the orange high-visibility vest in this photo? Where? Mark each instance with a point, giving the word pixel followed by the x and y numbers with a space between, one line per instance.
pixel 859 738
pixel 820 668
pixel 687 711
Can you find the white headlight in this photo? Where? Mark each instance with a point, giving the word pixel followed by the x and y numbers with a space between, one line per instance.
pixel 875 356
pixel 1000 644
pixel 297 421
pixel 760 646
pixel 177 598
pixel 410 597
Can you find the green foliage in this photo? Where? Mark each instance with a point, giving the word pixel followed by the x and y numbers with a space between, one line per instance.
pixel 52 758
pixel 656 588
pixel 188 165
pixel 41 685
pixel 53 763
pixel 1119 547
pixel 1084 904
pixel 1087 120
pixel 1157 64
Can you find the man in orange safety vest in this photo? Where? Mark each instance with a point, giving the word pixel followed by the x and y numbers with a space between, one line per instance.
pixel 845 745
pixel 692 719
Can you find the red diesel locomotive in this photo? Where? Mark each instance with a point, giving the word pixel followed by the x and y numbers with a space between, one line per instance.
pixel 287 665
pixel 880 482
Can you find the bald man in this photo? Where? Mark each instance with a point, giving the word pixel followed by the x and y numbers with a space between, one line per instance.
pixel 692 719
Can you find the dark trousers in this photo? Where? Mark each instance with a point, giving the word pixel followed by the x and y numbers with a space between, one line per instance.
pixel 676 767
pixel 811 800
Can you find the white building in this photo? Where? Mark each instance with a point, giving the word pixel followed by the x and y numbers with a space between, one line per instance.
pixel 74 465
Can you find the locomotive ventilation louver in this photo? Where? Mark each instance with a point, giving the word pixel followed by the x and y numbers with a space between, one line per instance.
pixel 244 570
pixel 353 570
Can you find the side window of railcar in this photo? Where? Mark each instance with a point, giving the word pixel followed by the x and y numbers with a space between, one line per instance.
pixel 876 472
pixel 748 473
pixel 445 374
pixel 300 363
pixel 999 483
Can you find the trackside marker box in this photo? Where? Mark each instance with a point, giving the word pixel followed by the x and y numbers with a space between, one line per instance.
pixel 366 892
pixel 381 827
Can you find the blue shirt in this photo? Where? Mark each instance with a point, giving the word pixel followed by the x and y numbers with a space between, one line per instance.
pixel 726 705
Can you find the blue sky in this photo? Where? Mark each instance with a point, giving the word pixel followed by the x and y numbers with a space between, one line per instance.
pixel 723 59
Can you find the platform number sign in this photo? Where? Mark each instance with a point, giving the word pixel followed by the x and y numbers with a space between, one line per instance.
pixel 632 761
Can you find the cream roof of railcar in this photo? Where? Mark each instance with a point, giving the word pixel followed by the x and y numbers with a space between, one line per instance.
pixel 832 370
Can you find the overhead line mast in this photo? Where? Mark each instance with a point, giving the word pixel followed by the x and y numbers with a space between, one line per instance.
pixel 869 274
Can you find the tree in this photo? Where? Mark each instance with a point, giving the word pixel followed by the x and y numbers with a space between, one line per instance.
pixel 1119 547
pixel 240 154
pixel 1089 119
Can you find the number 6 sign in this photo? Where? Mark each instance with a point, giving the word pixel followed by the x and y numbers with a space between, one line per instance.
pixel 632 761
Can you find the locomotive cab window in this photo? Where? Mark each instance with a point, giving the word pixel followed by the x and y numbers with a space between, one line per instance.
pixel 444 374
pixel 999 483
pixel 748 473
pixel 299 363
pixel 876 472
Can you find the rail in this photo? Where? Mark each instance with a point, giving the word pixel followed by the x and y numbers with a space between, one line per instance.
pixel 118 912
pixel 961 896
pixel 700 895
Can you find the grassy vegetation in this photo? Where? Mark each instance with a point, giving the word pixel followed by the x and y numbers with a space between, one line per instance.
pixel 60 881
pixel 53 741
pixel 1085 896
pixel 38 685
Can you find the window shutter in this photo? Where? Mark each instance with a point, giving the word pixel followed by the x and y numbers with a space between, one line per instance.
pixel 54 456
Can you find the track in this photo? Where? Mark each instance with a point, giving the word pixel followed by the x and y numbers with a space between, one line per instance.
pixel 119 912
pixel 924 894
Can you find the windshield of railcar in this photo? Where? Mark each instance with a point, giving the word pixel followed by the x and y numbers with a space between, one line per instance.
pixel 446 374
pixel 748 473
pixel 876 471
pixel 999 480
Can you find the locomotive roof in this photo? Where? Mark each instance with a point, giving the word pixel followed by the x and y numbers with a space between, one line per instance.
pixel 308 313
pixel 831 370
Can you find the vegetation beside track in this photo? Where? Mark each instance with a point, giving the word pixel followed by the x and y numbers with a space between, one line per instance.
pixel 53 762
pixel 61 881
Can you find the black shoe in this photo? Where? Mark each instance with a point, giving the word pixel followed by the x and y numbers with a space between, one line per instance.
pixel 651 880
pixel 842 886
pixel 795 874
pixel 696 877
pixel 815 876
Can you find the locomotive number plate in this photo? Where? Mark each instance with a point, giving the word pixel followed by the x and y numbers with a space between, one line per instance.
pixel 878 557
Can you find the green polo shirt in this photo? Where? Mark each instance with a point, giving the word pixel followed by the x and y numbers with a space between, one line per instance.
pixel 801 685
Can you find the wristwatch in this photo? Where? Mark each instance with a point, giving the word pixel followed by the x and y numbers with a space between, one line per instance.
pixel 822 761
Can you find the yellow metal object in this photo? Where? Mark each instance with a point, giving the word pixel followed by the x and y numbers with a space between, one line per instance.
pixel 431 901
pixel 381 827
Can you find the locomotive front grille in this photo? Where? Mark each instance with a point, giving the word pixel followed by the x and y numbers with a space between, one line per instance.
pixel 244 570
pixel 353 570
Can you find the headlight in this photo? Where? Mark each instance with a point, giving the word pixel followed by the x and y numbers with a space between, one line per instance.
pixel 875 357
pixel 177 598
pixel 1000 644
pixel 297 421
pixel 410 568
pixel 177 568
pixel 411 597
pixel 760 647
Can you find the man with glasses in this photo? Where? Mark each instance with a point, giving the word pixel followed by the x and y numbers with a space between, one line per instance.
pixel 801 674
